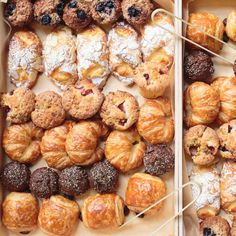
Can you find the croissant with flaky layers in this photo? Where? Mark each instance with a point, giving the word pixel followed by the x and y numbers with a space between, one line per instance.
pixel 82 142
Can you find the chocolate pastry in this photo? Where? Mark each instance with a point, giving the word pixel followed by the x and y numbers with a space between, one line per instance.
pixel 76 15
pixel 106 11
pixel 158 159
pixel 44 182
pixel 15 177
pixel 198 66
pixel 73 181
pixel 103 177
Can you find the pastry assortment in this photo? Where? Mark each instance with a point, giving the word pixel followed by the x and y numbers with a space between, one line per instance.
pixel 87 136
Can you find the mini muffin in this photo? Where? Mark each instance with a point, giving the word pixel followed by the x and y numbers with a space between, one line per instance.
pixel 119 110
pixel 152 79
pixel 158 159
pixel 48 12
pixel 76 15
pixel 231 25
pixel 198 66
pixel 15 177
pixel 19 12
pixel 48 111
pixel 44 182
pixel 103 177
pixel 83 100
pixel 214 226
pixel 201 143
pixel 19 105
pixel 227 133
pixel 73 181
pixel 106 11
pixel 137 12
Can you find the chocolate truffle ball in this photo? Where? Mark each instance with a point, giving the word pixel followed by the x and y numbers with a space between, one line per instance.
pixel 15 177
pixel 44 182
pixel 73 181
pixel 198 66
pixel 158 159
pixel 103 177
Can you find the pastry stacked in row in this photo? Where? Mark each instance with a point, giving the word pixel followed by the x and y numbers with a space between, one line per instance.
pixel 210 119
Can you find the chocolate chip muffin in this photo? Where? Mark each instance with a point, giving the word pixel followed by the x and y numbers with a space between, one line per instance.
pixel 106 11
pixel 73 181
pixel 77 15
pixel 137 12
pixel 44 182
pixel 15 177
pixel 19 12
pixel 103 177
pixel 48 12
pixel 158 159
pixel 19 104
pixel 198 66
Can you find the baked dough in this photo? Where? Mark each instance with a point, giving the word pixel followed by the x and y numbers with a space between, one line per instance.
pixel 103 211
pixel 58 216
pixel 125 54
pixel 92 55
pixel 201 104
pixel 208 203
pixel 228 186
pixel 208 23
pixel 231 25
pixel 155 123
pixel 142 191
pixel 125 150
pixel 226 87
pixel 22 142
pixel 60 57
pixel 24 59
pixel 20 212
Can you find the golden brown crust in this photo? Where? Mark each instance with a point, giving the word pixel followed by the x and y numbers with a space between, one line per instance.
pixel 58 216
pixel 201 104
pixel 209 23
pixel 155 123
pixel 53 146
pixel 142 191
pixel 231 25
pixel 103 211
pixel 125 150
pixel 20 212
pixel 22 142
pixel 226 86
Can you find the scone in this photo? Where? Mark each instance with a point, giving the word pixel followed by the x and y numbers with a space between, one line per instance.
pixel 22 142
pixel 228 187
pixel 59 54
pixel 208 202
pixel 103 211
pixel 20 212
pixel 201 143
pixel 58 216
pixel 83 100
pixel 19 104
pixel 208 23
pixel 152 80
pixel 155 123
pixel 226 86
pixel 119 110
pixel 48 111
pixel 231 25
pixel 92 55
pixel 144 190
pixel 125 54
pixel 201 104
pixel 227 133
pixel 53 147
pixel 158 45
pixel 125 150
pixel 24 59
